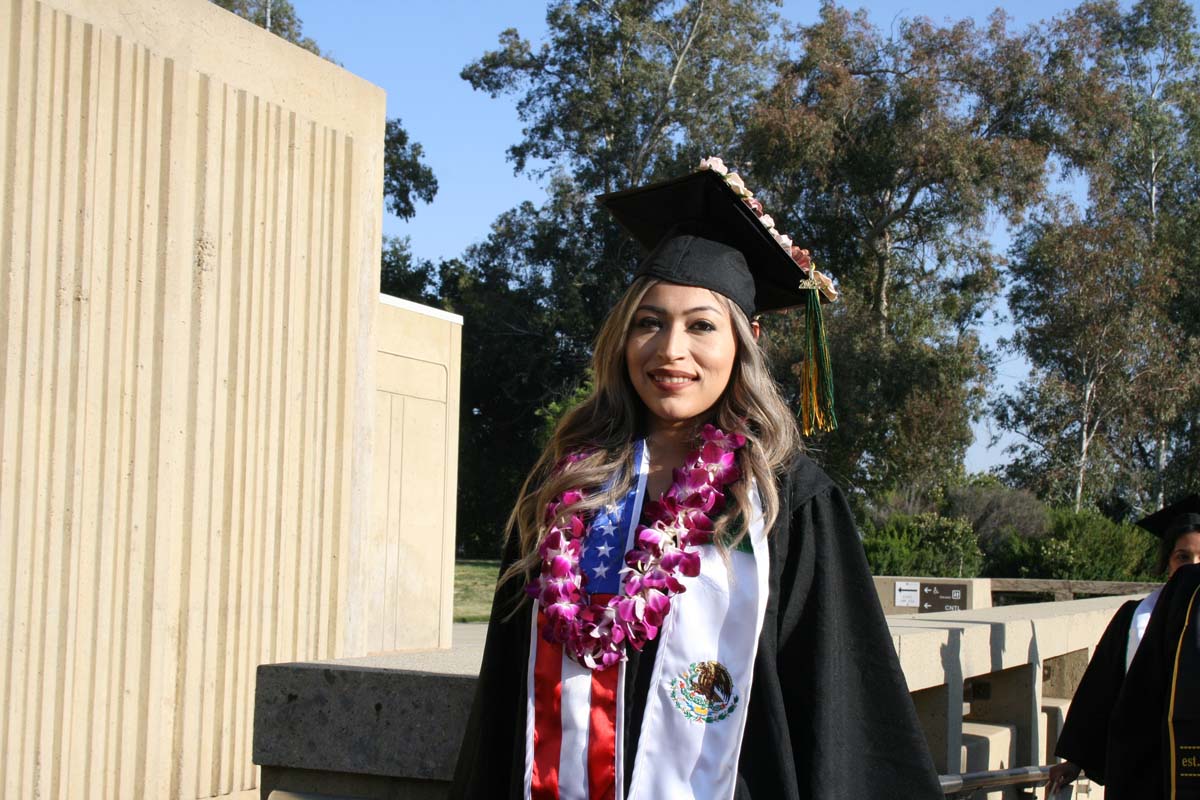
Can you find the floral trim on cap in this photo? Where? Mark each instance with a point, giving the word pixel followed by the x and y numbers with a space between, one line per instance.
pixel 818 280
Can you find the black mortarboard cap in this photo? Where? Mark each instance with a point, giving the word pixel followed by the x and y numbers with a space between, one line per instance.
pixel 1174 520
pixel 684 222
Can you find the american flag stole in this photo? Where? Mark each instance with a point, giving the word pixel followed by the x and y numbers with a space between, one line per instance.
pixel 573 714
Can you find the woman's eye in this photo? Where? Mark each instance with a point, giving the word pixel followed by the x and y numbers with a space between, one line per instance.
pixel 703 325
pixel 648 322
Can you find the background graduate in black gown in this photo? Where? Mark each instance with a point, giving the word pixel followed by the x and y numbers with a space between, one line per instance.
pixel 1084 740
pixel 1154 739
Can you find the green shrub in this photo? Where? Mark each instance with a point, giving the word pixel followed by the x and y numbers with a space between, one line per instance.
pixel 923 545
pixel 996 511
pixel 1082 546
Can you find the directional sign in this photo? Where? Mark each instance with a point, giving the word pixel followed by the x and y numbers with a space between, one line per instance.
pixel 908 594
pixel 942 597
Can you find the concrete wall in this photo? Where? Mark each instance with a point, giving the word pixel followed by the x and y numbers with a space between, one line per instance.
pixel 409 578
pixel 189 241
pixel 994 664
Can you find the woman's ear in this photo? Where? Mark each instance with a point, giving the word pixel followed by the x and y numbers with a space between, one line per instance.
pixel 755 328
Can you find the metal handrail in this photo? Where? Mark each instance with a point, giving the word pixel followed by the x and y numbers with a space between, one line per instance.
pixel 964 785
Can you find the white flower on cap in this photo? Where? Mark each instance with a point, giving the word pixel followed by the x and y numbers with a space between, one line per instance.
pixel 767 222
pixel 825 282
pixel 738 185
pixel 785 241
pixel 715 164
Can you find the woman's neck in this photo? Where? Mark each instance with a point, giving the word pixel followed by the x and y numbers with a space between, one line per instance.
pixel 668 449
pixel 674 440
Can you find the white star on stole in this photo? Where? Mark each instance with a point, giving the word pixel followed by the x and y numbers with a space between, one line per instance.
pixel 604 550
pixel 601 571
pixel 606 527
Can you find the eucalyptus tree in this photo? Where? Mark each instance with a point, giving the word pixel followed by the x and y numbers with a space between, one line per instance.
pixel 1127 110
pixel 890 154
pixel 1075 295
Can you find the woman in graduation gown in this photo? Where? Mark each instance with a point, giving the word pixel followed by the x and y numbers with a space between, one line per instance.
pixel 1084 741
pixel 685 608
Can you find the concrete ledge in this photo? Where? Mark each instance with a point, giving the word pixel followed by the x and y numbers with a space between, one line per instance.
pixel 381 720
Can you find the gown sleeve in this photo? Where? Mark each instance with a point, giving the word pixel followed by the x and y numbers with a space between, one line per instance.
pixel 829 693
pixel 491 759
pixel 1084 735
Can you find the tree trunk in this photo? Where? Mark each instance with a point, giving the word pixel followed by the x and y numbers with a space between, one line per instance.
pixel 883 265
pixel 1160 471
pixel 1084 441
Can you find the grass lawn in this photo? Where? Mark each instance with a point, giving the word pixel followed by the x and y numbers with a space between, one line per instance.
pixel 474 585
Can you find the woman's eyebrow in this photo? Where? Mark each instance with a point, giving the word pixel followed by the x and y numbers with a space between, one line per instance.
pixel 660 310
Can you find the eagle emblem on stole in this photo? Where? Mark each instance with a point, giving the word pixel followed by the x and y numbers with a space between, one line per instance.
pixel 704 692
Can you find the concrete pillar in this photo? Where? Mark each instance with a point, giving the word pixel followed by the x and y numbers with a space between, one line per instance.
pixel 1014 697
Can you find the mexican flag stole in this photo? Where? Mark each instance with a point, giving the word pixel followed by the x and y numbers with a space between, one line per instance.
pixel 695 712
pixel 1183 715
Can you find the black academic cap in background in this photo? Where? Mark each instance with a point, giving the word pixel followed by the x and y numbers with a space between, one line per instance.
pixel 673 218
pixel 1174 520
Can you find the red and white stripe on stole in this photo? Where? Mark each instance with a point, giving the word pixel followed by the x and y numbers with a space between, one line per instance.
pixel 573 727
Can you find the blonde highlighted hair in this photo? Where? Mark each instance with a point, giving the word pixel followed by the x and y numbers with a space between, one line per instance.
pixel 593 443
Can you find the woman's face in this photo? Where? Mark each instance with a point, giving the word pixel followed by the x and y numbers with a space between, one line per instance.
pixel 1187 551
pixel 680 352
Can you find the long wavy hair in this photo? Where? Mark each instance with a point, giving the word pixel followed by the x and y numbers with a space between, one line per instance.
pixel 592 445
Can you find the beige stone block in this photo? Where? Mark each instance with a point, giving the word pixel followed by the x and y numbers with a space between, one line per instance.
pixel 401 376
pixel 1054 714
pixel 988 747
pixel 188 276
pixel 407 562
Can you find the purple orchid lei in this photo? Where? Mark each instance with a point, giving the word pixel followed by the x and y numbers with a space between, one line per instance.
pixel 596 635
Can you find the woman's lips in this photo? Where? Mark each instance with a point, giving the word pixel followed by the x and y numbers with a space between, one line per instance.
pixel 671 381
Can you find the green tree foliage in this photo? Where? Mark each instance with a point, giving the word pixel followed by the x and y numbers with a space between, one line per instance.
pixel 405 177
pixel 923 545
pixel 401 276
pixel 551 413
pixel 624 91
pixel 1080 545
pixel 887 154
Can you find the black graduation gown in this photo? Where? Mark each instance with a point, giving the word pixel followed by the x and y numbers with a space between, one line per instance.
pixel 1084 736
pixel 829 716
pixel 1139 753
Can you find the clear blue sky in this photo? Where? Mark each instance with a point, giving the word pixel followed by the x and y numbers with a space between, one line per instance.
pixel 415 51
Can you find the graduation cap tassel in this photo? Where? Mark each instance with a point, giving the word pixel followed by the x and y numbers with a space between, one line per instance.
pixel 816 377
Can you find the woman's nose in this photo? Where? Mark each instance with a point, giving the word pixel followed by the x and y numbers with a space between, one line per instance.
pixel 671 342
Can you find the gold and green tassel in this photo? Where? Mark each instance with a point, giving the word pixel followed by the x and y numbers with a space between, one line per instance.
pixel 816 377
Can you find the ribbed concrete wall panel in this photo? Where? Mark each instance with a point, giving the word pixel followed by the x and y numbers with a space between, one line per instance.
pixel 189 240
pixel 410 581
